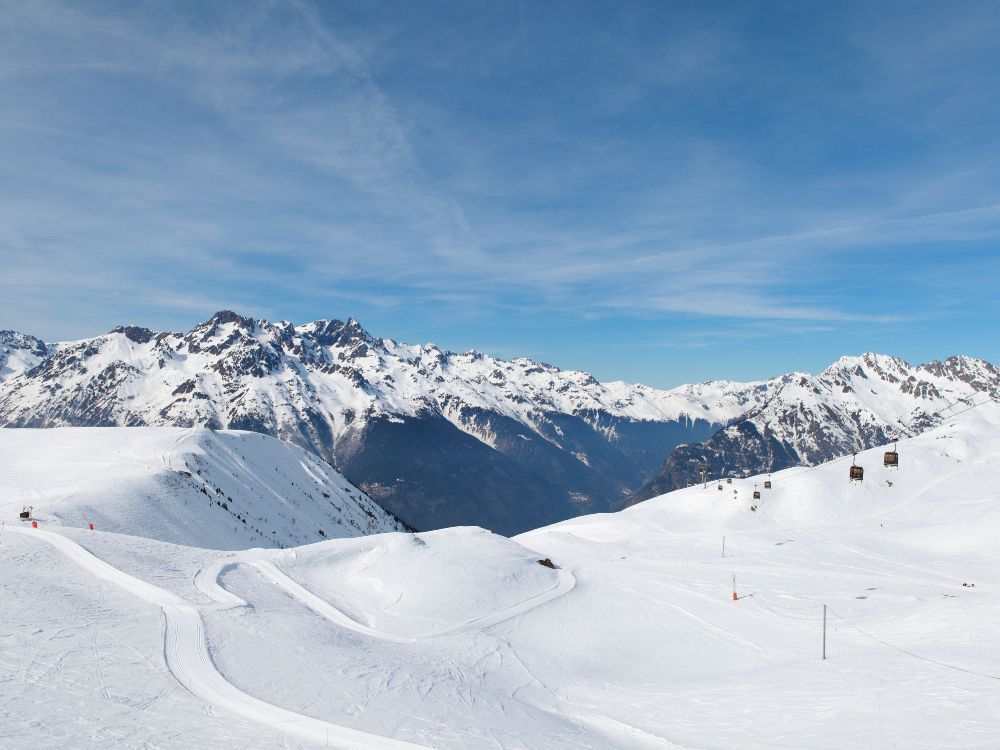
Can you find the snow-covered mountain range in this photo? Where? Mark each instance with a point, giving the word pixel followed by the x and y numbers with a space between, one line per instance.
pixel 441 438
pixel 856 403
pixel 436 437
pixel 220 489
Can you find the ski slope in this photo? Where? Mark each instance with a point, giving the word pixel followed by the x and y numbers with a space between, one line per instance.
pixel 459 639
pixel 216 489
pixel 189 661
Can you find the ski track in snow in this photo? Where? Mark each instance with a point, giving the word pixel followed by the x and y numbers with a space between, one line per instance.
pixel 188 659
pixel 207 581
pixel 186 652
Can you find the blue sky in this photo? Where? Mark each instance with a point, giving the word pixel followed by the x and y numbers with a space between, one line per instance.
pixel 657 192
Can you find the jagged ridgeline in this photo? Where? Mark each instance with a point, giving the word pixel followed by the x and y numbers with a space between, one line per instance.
pixel 438 438
pixel 441 438
pixel 856 403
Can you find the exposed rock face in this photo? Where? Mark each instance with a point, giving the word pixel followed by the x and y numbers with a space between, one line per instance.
pixel 856 403
pixel 18 353
pixel 438 438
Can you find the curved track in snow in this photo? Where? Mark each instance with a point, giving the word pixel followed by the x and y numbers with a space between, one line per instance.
pixel 188 659
pixel 185 646
pixel 207 581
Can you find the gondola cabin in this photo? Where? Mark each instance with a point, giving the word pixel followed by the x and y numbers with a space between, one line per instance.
pixel 25 515
pixel 891 459
pixel 720 488
pixel 857 473
pixel 756 494
pixel 767 484
pixel 729 480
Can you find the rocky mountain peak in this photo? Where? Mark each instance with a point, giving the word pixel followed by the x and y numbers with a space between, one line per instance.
pixel 337 333
pixel 15 340
pixel 224 331
pixel 19 352
pixel 228 316
pixel 135 334
pixel 978 373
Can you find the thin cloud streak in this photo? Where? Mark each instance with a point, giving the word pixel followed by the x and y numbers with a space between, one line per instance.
pixel 266 156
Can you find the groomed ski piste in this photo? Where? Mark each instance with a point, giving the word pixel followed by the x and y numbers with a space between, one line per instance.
pixel 460 639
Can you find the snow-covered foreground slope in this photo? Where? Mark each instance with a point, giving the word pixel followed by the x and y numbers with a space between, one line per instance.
pixel 222 490
pixel 459 639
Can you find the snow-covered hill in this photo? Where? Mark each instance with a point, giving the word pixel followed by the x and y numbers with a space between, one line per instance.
pixel 222 490
pixel 438 438
pixel 459 638
pixel 854 404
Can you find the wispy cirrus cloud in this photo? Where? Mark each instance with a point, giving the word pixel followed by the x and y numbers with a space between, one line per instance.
pixel 491 163
pixel 276 150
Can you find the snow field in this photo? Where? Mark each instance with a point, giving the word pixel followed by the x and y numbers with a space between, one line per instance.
pixel 459 639
pixel 888 560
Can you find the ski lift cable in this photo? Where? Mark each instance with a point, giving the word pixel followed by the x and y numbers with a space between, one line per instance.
pixel 910 653
pixel 771 605
pixel 804 469
pixel 989 399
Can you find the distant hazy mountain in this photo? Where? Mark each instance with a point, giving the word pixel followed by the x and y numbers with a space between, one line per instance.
pixel 438 438
pixel 856 403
